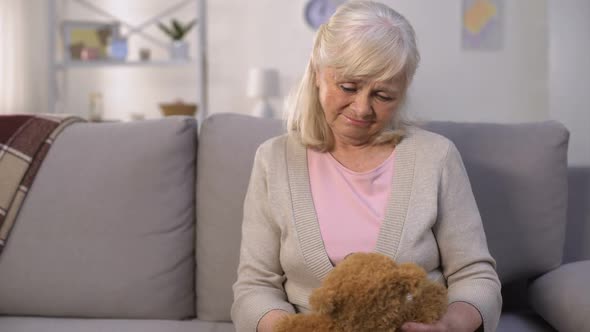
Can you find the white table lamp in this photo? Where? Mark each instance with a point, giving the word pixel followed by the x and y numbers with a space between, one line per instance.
pixel 263 83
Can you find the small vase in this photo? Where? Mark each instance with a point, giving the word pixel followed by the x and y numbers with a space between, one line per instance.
pixel 118 49
pixel 179 50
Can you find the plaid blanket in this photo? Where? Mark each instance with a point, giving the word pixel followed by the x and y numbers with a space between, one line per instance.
pixel 24 142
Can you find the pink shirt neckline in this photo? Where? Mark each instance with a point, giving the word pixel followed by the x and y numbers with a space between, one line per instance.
pixel 350 206
pixel 375 171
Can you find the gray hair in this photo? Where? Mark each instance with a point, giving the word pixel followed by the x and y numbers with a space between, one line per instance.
pixel 363 39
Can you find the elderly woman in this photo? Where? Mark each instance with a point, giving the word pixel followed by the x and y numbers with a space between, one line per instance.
pixel 352 176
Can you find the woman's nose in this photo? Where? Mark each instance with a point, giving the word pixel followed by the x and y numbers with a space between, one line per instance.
pixel 362 105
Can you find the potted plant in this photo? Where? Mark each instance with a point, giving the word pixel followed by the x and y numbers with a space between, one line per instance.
pixel 177 31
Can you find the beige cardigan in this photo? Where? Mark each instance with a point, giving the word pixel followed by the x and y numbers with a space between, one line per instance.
pixel 431 219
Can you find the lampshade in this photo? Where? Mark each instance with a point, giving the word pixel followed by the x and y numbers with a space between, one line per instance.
pixel 263 82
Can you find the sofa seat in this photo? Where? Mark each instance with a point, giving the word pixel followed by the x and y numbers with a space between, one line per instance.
pixel 27 324
pixel 521 322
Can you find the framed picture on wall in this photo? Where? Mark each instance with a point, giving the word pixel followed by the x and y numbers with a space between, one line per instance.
pixel 87 41
pixel 483 22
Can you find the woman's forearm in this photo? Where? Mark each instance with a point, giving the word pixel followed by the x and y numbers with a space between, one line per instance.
pixel 270 319
pixel 462 316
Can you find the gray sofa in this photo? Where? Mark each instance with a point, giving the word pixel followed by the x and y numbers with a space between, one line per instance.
pixel 116 236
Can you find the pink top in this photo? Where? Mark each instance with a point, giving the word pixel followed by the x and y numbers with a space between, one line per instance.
pixel 350 206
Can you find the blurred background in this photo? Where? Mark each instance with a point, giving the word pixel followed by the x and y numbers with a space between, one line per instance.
pixel 537 67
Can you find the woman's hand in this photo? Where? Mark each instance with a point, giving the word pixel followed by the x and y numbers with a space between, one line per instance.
pixel 270 319
pixel 419 327
pixel 460 317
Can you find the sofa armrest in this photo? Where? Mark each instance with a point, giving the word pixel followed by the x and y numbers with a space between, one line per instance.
pixel 562 296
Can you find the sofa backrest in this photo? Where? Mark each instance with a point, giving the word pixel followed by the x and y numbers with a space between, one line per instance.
pixel 227 143
pixel 107 229
pixel 577 240
pixel 518 174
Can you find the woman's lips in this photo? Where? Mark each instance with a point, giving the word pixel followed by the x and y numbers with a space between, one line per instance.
pixel 356 122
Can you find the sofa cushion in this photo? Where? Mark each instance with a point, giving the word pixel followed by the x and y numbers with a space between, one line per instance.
pixel 518 173
pixel 107 229
pixel 28 324
pixel 562 296
pixel 577 240
pixel 523 322
pixel 227 144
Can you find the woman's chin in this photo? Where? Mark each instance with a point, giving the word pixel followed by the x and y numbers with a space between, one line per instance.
pixel 355 138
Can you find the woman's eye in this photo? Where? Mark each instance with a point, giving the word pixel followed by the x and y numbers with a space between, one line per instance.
pixel 347 88
pixel 384 97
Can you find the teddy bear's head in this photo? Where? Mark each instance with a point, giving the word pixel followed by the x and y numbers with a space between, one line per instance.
pixel 370 292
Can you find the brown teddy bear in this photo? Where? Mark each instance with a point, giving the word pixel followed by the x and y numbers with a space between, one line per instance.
pixel 370 292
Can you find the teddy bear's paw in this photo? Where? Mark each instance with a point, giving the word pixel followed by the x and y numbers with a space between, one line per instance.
pixel 427 304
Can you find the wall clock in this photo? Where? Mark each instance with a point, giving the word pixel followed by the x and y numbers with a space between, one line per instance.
pixel 318 12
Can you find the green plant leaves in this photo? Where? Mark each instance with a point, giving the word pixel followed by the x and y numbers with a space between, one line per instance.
pixel 177 30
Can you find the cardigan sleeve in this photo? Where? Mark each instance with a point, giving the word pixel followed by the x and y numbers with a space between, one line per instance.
pixel 259 287
pixel 465 259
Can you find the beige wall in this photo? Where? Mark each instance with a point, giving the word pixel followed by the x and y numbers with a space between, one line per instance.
pixel 27 46
pixel 541 73
pixel 451 84
pixel 569 72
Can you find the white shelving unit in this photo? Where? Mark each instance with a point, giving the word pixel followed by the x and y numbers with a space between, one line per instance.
pixel 59 65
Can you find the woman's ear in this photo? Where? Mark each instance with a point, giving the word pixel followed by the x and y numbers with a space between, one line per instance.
pixel 316 74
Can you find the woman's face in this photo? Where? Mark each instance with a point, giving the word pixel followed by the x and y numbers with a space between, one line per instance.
pixel 357 109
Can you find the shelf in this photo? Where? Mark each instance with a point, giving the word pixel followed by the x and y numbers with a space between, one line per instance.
pixel 117 63
pixel 60 64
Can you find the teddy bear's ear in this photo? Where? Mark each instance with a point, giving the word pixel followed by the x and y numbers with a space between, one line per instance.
pixel 411 271
pixel 323 300
pixel 305 323
pixel 285 323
